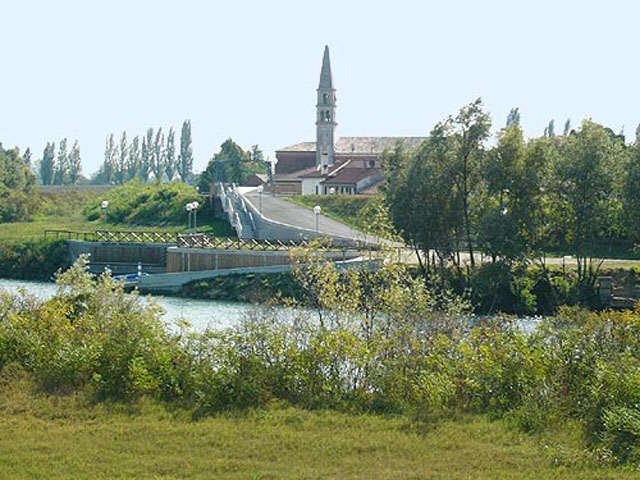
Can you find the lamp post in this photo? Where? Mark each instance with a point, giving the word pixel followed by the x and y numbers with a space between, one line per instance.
pixel 105 208
pixel 188 207
pixel 332 191
pixel 195 205
pixel 260 189
pixel 317 211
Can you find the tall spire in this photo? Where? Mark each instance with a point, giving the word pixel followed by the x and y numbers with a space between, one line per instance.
pixel 325 116
pixel 325 75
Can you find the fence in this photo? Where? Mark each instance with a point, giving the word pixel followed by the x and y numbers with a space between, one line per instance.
pixel 114 236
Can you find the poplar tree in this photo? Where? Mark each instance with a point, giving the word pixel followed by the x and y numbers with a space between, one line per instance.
pixel 145 168
pixel 122 159
pixel 133 163
pixel 46 165
pixel 170 155
pixel 107 166
pixel 148 158
pixel 75 164
pixel 158 155
pixel 27 156
pixel 186 153
pixel 61 165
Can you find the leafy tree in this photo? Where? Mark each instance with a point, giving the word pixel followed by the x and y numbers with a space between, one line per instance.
pixel 75 163
pixel 513 118
pixel 145 160
pixel 186 153
pixel 582 191
pixel 567 127
pixel 134 160
pixel 47 164
pixel 122 160
pixel 107 171
pixel 549 131
pixel 511 212
pixel 17 187
pixel 158 162
pixel 61 165
pixel 26 155
pixel 421 197
pixel 469 129
pixel 170 167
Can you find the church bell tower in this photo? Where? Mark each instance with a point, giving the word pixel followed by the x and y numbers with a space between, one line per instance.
pixel 325 116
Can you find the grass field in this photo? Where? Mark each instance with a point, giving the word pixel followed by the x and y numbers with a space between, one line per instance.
pixel 61 208
pixel 63 437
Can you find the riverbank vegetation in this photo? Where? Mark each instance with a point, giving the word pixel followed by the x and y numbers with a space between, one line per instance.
pixel 397 350
pixel 515 202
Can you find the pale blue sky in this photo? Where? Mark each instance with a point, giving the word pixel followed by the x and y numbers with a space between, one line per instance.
pixel 249 69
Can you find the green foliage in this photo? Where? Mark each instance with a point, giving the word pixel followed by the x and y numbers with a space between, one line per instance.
pixel 32 259
pixel 17 187
pixel 232 165
pixel 378 341
pixel 154 204
pixel 367 213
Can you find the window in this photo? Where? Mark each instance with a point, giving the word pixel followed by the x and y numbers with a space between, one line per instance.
pixel 325 98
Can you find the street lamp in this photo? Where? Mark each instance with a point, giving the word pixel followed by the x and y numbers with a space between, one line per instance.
pixel 194 207
pixel 260 189
pixel 188 207
pixel 332 191
pixel 317 211
pixel 105 208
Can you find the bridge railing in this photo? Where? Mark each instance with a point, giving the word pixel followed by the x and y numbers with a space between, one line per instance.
pixel 128 236
pixel 135 237
pixel 200 240
pixel 69 235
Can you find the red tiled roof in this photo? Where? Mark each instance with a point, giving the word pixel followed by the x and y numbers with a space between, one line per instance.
pixel 352 175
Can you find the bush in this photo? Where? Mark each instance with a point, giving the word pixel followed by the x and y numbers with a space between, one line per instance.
pixel 152 204
pixel 378 341
pixel 33 259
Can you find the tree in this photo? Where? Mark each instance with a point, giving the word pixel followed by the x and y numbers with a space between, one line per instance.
pixel 469 130
pixel 146 159
pixel 567 127
pixel 513 118
pixel 60 172
pixel 170 167
pixel 47 163
pixel 582 192
pixel 186 153
pixel 549 131
pixel 122 160
pixel 421 198
pixel 509 221
pixel 17 186
pixel 158 156
pixel 75 163
pixel 225 166
pixel 26 156
pixel 133 163
pixel 107 171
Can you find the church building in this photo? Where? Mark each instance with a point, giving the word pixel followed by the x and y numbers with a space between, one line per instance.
pixel 348 165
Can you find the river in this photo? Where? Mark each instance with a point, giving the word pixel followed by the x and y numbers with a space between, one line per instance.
pixel 200 313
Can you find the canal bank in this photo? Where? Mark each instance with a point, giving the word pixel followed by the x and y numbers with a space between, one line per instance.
pixel 201 314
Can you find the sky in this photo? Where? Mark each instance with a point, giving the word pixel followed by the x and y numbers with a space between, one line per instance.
pixel 248 70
